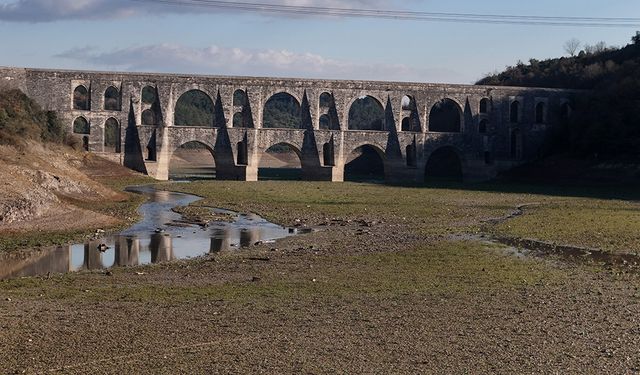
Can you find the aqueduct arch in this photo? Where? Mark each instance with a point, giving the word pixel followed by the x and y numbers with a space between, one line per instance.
pixel 495 121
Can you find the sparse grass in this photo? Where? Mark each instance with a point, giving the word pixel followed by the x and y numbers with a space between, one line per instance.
pixel 451 268
pixel 609 225
pixel 281 202
pixel 11 241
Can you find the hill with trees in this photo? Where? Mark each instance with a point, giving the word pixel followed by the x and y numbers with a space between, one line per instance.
pixel 606 121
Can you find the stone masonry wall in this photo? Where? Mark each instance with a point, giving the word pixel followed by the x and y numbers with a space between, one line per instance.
pixel 504 144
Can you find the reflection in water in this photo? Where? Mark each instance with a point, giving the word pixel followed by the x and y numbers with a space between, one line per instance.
pixel 161 248
pixel 249 236
pixel 92 257
pixel 149 241
pixel 127 251
pixel 220 240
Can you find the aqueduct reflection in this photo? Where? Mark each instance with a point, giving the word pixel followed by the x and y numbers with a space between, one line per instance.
pixel 127 251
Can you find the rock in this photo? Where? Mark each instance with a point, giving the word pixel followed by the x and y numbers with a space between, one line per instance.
pixel 109 273
pixel 8 299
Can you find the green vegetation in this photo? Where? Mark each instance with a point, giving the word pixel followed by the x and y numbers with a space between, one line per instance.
pixel 606 119
pixel 366 114
pixel 194 108
pixel 22 119
pixel 583 220
pixel 601 224
pixel 282 111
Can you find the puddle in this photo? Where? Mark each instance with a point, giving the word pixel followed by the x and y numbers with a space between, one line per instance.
pixel 160 236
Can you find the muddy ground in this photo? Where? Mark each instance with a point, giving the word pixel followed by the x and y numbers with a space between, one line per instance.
pixel 393 281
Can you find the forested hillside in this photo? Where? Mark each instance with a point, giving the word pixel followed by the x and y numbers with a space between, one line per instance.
pixel 606 122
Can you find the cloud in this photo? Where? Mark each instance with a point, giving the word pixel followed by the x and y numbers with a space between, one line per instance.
pixel 56 10
pixel 174 58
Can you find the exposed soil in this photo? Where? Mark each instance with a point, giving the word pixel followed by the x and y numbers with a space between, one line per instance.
pixel 52 188
pixel 365 294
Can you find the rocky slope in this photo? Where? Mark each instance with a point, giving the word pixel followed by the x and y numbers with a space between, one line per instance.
pixel 40 182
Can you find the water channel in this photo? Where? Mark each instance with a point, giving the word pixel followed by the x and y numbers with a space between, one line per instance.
pixel 160 236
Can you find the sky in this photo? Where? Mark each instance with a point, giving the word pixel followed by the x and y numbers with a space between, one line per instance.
pixel 147 36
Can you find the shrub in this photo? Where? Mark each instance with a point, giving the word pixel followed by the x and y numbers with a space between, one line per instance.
pixel 22 119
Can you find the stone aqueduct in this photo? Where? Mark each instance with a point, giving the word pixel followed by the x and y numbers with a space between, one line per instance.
pixel 498 127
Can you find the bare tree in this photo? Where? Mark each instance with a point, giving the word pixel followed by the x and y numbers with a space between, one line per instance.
pixel 596 48
pixel 571 46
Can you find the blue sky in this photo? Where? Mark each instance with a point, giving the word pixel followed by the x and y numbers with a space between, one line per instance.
pixel 134 35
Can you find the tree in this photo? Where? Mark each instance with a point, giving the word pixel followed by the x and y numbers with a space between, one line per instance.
pixel 571 46
pixel 636 39
pixel 596 48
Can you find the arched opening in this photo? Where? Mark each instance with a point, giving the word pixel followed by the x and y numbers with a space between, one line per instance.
pixel 112 99
pixel 445 117
pixel 152 147
pixel 325 122
pixel 81 126
pixel 412 156
pixel 280 162
pixel 406 103
pixel 238 120
pixel 81 98
pixel 192 160
pixel 242 116
pixel 239 98
pixel 514 112
pixel 243 153
pixel 444 164
pixel 149 117
pixel 366 113
pixel 151 152
pixel 85 143
pixel 540 112
pixel 365 164
pixel 112 135
pixel 149 95
pixel 483 126
pixel 411 119
pixel 406 124
pixel 328 154
pixel 194 108
pixel 329 114
pixel 325 100
pixel 516 144
pixel 282 111
pixel 484 105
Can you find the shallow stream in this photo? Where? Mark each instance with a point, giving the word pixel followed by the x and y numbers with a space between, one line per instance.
pixel 160 236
